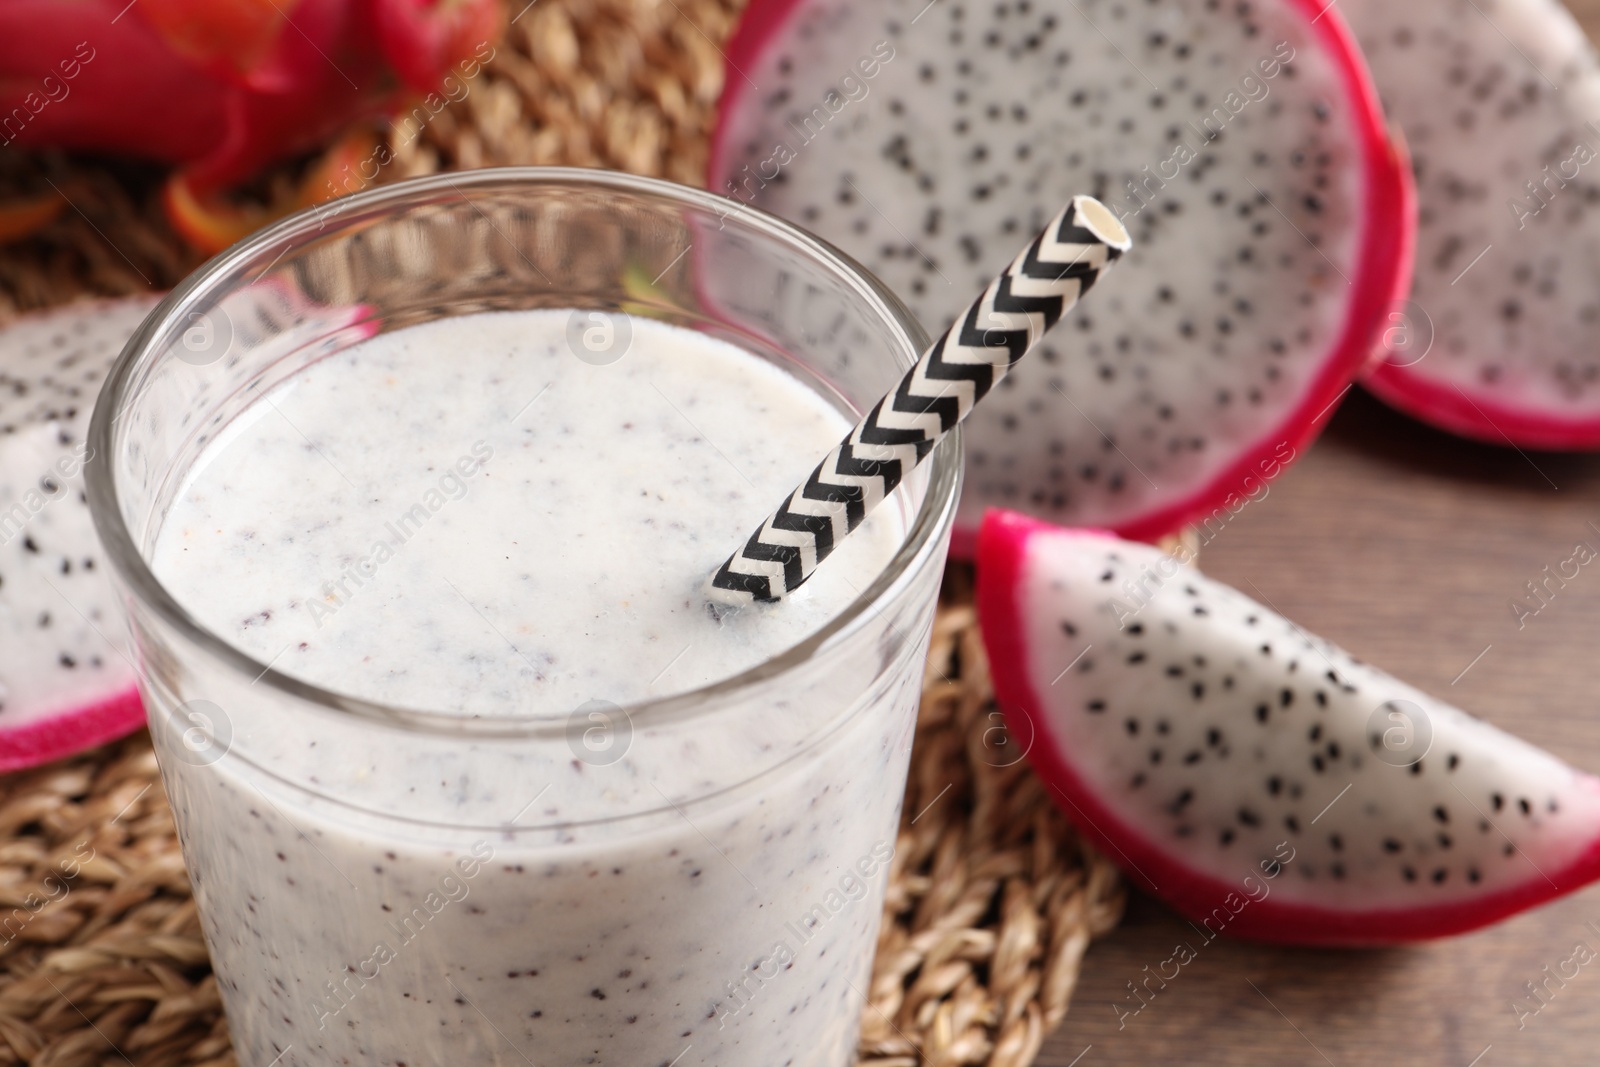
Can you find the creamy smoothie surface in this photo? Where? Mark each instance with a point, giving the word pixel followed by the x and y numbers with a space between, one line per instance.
pixel 466 517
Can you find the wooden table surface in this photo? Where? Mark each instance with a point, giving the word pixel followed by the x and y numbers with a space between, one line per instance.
pixel 1406 547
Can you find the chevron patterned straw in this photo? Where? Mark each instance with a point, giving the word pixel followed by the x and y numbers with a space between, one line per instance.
pixel 1014 312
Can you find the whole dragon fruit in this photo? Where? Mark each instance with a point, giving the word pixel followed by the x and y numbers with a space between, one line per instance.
pixel 221 88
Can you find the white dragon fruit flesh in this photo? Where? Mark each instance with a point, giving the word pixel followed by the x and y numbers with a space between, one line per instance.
pixel 66 676
pixel 1259 779
pixel 1500 104
pixel 1241 144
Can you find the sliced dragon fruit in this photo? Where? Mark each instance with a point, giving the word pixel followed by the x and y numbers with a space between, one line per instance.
pixel 1261 780
pixel 1241 144
pixel 66 677
pixel 1499 102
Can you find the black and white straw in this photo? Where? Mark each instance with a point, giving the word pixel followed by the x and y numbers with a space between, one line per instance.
pixel 1014 312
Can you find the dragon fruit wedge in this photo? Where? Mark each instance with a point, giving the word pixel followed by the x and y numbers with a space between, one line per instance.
pixel 1260 780
pixel 66 679
pixel 1500 103
pixel 1241 144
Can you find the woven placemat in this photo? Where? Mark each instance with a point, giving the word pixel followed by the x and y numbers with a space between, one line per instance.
pixel 993 898
pixel 991 902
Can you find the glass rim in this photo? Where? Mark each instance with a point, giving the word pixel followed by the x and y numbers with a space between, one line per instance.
pixel 261 252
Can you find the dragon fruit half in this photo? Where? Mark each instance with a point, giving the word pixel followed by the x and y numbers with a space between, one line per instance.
pixel 1500 101
pixel 66 676
pixel 1242 146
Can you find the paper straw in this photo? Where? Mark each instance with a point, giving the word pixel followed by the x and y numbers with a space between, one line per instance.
pixel 1014 312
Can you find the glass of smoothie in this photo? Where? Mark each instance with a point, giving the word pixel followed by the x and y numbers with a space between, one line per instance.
pixel 412 499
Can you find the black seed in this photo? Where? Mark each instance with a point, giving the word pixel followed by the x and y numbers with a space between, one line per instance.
pixel 1274 785
pixel 1440 814
pixel 1225 838
pixel 1286 697
pixel 1199 690
pixel 1261 712
pixel 1497 801
pixel 1335 842
pixel 1136 657
pixel 1522 802
pixel 1095 707
pixel 1249 818
pixel 1391 845
pixel 1438 876
pixel 1133 727
pixel 1192 758
pixel 1181 801
pixel 1408 874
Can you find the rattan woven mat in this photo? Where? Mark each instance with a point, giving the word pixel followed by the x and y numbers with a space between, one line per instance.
pixel 993 898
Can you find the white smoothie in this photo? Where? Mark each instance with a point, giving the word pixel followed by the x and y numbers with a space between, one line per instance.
pixel 466 518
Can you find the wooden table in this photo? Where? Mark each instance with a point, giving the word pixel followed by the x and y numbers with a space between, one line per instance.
pixel 1406 547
